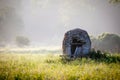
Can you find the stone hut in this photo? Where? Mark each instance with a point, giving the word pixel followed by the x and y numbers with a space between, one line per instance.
pixel 76 43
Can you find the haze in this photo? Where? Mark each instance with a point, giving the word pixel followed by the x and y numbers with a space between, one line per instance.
pixel 44 22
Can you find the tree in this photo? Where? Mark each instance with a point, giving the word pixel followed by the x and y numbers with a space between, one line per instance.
pixel 107 42
pixel 114 1
pixel 2 43
pixel 11 22
pixel 22 41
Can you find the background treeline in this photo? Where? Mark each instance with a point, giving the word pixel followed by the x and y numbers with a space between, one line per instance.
pixel 106 42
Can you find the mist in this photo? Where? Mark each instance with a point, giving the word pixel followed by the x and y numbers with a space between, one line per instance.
pixel 44 22
pixel 11 23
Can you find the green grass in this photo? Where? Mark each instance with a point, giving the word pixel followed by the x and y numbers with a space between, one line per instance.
pixel 53 67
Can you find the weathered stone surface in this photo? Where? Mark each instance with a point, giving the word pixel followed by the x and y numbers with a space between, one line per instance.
pixel 76 43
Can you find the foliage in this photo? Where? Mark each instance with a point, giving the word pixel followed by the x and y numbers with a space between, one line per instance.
pixel 115 1
pixel 11 23
pixel 104 57
pixel 50 67
pixel 97 56
pixel 107 41
pixel 22 41
pixel 2 43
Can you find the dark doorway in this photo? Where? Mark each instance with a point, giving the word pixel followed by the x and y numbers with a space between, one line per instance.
pixel 76 43
pixel 73 46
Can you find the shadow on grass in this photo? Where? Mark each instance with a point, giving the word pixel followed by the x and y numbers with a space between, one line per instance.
pixel 94 56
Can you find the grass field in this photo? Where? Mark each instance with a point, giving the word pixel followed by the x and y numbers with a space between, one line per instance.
pixel 30 66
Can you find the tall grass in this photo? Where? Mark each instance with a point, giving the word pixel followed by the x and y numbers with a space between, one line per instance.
pixel 53 67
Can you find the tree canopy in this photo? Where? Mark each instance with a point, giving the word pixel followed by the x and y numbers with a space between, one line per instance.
pixel 107 42
pixel 115 1
pixel 22 41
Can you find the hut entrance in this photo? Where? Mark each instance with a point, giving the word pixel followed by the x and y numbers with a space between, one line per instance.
pixel 76 46
pixel 73 46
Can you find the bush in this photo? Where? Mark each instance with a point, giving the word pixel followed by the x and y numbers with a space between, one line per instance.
pixel 97 56
pixel 104 56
